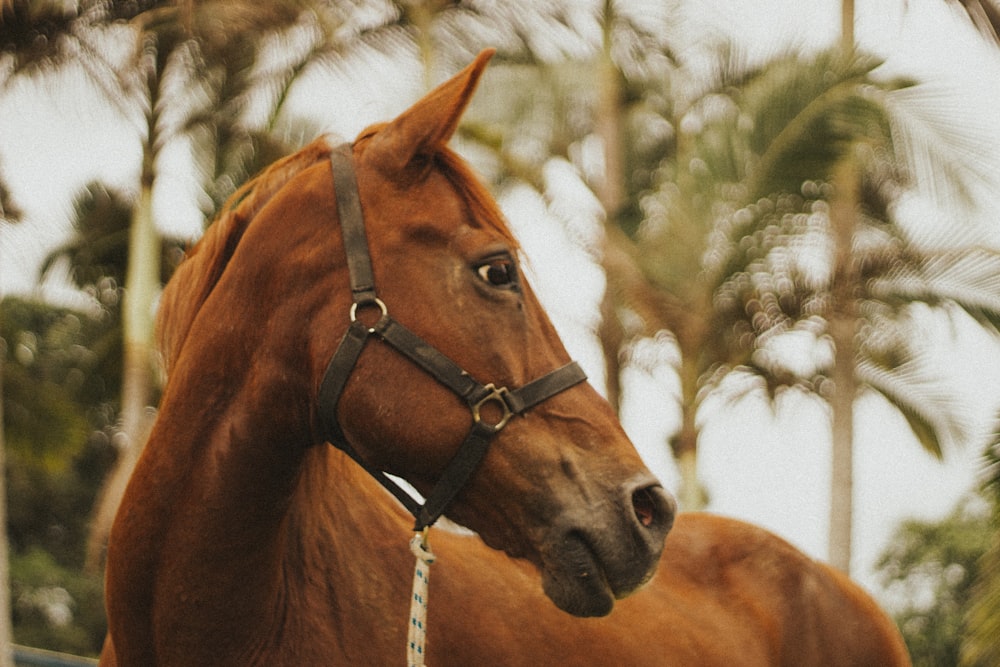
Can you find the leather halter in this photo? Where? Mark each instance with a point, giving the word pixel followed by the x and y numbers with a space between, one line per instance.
pixel 476 395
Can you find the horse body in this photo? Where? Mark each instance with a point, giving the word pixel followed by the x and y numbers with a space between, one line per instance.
pixel 243 539
pixel 725 594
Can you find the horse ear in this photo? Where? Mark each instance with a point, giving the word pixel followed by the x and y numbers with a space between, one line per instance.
pixel 429 123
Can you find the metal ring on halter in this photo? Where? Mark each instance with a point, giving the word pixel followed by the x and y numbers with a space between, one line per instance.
pixel 497 396
pixel 373 302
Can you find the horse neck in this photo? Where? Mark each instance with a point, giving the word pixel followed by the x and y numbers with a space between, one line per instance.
pixel 347 566
pixel 240 515
pixel 221 466
pixel 341 521
pixel 249 466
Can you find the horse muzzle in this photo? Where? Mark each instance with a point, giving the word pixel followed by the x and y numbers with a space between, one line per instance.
pixel 597 555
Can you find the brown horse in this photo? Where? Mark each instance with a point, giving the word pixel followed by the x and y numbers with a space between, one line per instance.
pixel 243 539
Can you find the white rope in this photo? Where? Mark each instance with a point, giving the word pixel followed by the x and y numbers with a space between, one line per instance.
pixel 417 634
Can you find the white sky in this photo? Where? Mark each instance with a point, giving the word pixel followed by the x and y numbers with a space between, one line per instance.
pixel 774 472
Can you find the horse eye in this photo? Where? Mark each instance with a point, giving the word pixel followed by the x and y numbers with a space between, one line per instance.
pixel 498 272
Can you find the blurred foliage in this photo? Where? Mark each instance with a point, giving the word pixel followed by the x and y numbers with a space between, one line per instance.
pixel 981 647
pixel 928 572
pixel 57 378
pixel 59 407
pixel 55 606
pixel 97 256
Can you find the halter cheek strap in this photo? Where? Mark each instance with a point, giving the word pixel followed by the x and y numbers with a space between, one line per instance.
pixel 509 403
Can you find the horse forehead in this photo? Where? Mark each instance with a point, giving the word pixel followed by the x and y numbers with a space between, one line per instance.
pixel 430 197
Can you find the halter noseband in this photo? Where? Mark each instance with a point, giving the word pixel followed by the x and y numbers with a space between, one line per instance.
pixel 444 370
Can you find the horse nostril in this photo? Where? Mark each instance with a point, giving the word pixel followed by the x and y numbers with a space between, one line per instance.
pixel 652 507
pixel 644 507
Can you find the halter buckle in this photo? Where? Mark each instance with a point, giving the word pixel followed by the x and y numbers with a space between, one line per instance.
pixel 495 395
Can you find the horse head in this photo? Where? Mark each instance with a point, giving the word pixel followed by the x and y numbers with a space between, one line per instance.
pixel 557 483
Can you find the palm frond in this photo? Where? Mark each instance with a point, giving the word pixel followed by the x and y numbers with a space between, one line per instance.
pixel 834 106
pixel 38 39
pixel 968 278
pixel 32 33
pixel 98 247
pixel 935 416
pixel 791 92
pixel 985 16
pixel 9 210
pixel 940 145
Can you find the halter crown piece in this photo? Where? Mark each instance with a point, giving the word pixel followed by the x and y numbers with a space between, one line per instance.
pixel 510 403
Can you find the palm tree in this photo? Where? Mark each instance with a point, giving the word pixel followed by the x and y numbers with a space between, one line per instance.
pixel 849 131
pixel 33 38
pixel 210 50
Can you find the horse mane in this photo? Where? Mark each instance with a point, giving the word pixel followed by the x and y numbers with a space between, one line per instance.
pixel 197 275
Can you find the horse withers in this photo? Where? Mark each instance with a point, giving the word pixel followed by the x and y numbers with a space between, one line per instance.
pixel 388 316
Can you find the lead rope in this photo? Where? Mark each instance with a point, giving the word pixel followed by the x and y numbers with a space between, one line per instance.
pixel 417 634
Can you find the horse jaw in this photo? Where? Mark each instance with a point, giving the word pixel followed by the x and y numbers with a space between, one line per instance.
pixel 577 584
pixel 589 557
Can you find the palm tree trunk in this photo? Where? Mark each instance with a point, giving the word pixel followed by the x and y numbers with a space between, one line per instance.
pixel 843 328
pixel 690 495
pixel 684 445
pixel 608 126
pixel 847 25
pixel 6 633
pixel 421 15
pixel 141 285
pixel 612 338
pixel 609 193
